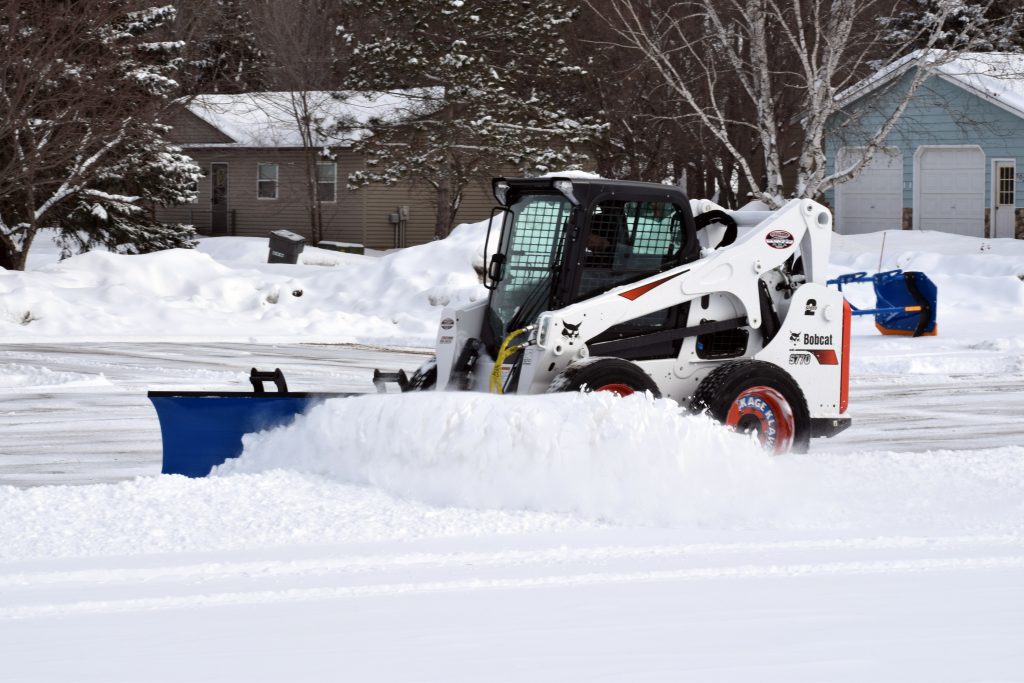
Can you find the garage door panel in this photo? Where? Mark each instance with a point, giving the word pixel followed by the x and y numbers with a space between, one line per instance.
pixel 874 200
pixel 950 193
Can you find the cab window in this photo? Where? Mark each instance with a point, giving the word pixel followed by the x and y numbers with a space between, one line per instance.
pixel 628 241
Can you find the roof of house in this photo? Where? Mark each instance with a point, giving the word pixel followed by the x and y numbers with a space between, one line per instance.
pixel 997 77
pixel 268 119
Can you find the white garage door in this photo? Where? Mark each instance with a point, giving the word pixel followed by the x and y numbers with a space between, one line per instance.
pixel 949 192
pixel 874 199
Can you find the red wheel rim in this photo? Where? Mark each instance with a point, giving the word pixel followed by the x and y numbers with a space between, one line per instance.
pixel 617 389
pixel 766 412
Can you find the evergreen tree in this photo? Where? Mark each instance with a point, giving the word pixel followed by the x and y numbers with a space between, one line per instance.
pixel 221 49
pixel 985 26
pixel 489 74
pixel 81 147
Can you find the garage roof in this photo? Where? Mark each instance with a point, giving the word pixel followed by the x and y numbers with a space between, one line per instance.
pixel 997 77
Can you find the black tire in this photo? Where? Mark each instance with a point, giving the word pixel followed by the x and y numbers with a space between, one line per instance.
pixel 425 377
pixel 604 374
pixel 727 384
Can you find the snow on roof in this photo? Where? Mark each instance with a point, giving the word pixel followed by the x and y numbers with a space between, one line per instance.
pixel 268 119
pixel 994 76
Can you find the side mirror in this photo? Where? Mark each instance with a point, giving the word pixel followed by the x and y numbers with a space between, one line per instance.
pixel 495 271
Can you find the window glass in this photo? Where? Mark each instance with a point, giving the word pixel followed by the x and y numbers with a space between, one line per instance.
pixel 628 241
pixel 326 181
pixel 532 246
pixel 1006 188
pixel 266 181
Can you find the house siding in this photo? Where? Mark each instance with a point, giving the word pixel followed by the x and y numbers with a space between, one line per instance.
pixel 360 216
pixel 189 129
pixel 941 114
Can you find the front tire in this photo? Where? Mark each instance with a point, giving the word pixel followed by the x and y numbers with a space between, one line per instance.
pixel 613 375
pixel 758 397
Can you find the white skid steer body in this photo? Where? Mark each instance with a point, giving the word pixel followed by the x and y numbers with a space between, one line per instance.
pixel 624 290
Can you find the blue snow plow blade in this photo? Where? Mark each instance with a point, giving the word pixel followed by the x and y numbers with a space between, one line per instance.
pixel 906 302
pixel 201 430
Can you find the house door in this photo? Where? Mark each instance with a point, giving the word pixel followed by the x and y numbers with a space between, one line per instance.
pixel 1005 199
pixel 219 199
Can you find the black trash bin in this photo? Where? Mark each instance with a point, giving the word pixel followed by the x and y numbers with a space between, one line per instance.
pixel 285 246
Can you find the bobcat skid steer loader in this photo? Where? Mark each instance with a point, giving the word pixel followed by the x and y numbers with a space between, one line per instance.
pixel 616 286
pixel 609 286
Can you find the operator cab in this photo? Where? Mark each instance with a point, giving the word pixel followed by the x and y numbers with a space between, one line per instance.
pixel 565 240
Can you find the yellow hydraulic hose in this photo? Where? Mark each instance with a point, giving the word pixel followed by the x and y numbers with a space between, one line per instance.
pixel 503 353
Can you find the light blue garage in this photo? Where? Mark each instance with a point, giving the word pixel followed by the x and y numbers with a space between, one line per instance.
pixel 955 160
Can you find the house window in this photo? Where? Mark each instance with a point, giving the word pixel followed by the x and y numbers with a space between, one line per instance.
pixel 266 181
pixel 326 181
pixel 1006 188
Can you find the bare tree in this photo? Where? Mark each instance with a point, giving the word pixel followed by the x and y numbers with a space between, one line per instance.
pixel 773 71
pixel 298 40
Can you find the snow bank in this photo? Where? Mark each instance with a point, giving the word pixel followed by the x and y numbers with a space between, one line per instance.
pixel 630 461
pixel 225 290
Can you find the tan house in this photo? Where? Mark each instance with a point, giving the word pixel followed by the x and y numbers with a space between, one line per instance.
pixel 254 164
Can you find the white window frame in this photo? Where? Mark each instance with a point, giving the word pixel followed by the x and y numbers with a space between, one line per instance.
pixel 334 182
pixel 276 181
pixel 993 190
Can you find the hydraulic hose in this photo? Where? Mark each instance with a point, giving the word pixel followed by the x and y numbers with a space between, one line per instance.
pixel 503 353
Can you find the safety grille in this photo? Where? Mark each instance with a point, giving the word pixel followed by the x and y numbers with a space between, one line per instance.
pixel 629 241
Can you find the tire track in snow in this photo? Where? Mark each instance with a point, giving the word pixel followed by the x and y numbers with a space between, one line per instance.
pixel 216 571
pixel 242 598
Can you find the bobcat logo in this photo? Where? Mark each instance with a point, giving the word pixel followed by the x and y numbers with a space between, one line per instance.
pixel 570 331
pixel 794 337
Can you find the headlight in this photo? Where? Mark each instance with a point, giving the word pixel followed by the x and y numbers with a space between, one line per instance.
pixel 543 330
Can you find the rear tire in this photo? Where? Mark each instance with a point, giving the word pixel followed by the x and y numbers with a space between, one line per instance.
pixel 614 375
pixel 755 396
pixel 425 377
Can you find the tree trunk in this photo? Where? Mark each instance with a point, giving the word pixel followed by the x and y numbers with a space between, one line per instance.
pixel 13 260
pixel 443 222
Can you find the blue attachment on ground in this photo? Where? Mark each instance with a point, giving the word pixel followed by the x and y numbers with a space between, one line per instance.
pixel 201 430
pixel 905 302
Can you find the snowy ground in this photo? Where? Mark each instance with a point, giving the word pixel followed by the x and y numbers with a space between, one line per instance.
pixel 452 537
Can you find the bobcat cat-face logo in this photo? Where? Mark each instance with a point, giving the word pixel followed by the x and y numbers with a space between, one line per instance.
pixel 570 331
pixel 794 337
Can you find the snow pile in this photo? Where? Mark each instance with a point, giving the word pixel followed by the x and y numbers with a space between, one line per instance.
pixel 630 461
pixel 225 290
pixel 593 455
